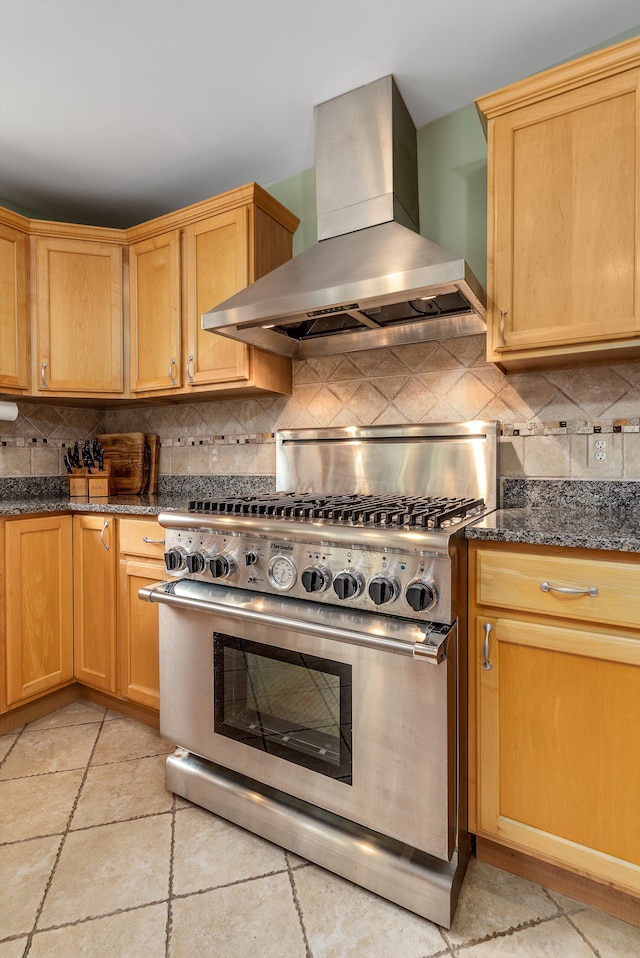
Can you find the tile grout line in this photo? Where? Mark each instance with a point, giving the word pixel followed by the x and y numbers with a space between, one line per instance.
pixel 523 926
pixel 170 895
pixel 569 918
pixel 568 915
pixel 56 771
pixel 64 838
pixel 19 732
pixel 297 905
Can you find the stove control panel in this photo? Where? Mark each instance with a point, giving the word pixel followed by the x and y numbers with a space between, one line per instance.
pixel 409 585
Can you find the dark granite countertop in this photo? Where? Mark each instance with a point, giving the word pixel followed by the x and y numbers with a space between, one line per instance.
pixel 32 496
pixel 543 526
pixel 124 505
pixel 601 515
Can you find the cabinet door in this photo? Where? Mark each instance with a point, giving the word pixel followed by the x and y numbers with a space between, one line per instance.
pixel 559 736
pixel 94 573
pixel 565 231
pixel 155 313
pixel 138 642
pixel 216 267
pixel 39 605
pixel 14 272
pixel 79 317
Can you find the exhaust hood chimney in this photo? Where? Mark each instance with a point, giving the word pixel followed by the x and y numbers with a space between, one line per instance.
pixel 372 280
pixel 366 161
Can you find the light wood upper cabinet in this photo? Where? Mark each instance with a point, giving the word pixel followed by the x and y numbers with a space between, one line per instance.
pixel 224 244
pixel 76 283
pixel 95 563
pixel 155 291
pixel 38 607
pixel 14 316
pixel 555 707
pixel 564 213
pixel 78 316
pixel 216 267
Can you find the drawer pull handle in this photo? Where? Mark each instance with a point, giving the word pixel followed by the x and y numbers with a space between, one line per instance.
pixel 486 664
pixel 567 590
pixel 43 381
pixel 153 542
pixel 173 379
pixel 190 375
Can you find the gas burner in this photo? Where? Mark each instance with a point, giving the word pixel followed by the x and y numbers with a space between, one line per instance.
pixel 409 512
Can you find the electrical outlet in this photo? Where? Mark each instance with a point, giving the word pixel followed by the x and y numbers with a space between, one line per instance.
pixel 597 450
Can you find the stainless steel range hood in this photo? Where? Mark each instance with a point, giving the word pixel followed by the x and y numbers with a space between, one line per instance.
pixel 372 280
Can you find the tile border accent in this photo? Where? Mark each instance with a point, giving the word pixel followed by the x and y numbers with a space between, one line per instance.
pixel 530 428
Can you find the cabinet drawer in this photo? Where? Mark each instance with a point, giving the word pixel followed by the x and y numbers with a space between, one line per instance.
pixel 530 583
pixel 141 537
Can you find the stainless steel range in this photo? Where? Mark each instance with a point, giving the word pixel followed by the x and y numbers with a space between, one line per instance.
pixel 313 653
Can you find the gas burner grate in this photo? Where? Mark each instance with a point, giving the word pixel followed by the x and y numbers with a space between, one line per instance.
pixel 412 512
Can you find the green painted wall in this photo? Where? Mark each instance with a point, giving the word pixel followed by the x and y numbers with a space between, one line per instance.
pixel 452 186
pixel 298 194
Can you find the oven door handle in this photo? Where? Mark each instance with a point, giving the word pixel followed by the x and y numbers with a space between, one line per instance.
pixel 431 648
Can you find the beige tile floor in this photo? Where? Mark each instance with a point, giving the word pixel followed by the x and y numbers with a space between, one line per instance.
pixel 98 859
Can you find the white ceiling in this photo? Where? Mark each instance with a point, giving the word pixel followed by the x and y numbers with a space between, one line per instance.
pixel 115 111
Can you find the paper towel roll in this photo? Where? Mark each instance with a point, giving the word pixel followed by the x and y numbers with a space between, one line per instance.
pixel 8 411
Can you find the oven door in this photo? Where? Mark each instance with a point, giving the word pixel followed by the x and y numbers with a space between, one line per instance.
pixel 335 709
pixel 286 703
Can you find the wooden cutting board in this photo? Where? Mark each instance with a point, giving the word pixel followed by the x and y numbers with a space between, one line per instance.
pixel 126 452
pixel 153 444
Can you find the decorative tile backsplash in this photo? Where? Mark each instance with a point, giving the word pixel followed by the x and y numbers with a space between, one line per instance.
pixel 550 421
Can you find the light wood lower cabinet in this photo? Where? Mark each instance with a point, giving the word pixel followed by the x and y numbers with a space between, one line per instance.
pixel 38 607
pixel 555 707
pixel 138 643
pixel 141 564
pixel 69 606
pixel 95 561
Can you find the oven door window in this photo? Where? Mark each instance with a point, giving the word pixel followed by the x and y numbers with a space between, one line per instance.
pixel 295 706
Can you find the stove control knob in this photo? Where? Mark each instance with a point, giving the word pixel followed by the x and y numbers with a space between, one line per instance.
pixel 175 560
pixel 196 562
pixel 421 595
pixel 347 585
pixel 316 578
pixel 250 557
pixel 382 589
pixel 221 566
